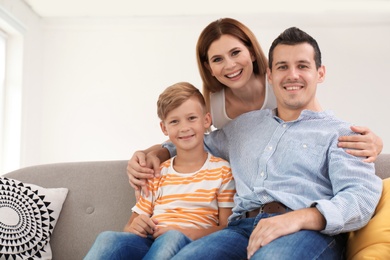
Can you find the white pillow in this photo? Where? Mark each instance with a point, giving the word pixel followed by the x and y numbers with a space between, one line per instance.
pixel 28 215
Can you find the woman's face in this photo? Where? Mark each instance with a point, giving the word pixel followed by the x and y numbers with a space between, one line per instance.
pixel 230 61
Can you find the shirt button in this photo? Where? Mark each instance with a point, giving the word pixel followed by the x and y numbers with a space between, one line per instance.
pixel 304 146
pixel 262 174
pixel 269 147
pixel 284 126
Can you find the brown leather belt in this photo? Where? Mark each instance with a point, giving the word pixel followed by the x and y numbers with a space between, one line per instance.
pixel 270 208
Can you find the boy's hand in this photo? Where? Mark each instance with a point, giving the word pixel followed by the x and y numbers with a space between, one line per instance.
pixel 161 230
pixel 142 226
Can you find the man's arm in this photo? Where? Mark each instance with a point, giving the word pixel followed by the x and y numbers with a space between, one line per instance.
pixel 356 192
pixel 145 165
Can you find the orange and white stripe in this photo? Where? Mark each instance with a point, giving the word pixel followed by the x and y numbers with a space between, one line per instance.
pixel 189 199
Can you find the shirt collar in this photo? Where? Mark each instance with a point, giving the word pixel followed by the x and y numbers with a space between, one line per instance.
pixel 306 115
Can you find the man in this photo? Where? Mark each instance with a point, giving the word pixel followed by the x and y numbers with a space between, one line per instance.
pixel 297 192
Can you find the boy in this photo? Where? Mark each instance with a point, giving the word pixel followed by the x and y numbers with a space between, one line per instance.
pixel 193 196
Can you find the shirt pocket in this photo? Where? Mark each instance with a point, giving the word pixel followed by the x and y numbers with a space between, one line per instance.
pixel 300 157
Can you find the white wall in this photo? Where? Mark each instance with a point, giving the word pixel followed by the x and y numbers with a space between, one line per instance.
pixel 91 84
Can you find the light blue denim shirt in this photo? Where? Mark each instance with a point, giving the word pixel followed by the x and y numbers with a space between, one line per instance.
pixel 298 164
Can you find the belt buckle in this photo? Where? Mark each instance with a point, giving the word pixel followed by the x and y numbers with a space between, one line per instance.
pixel 261 209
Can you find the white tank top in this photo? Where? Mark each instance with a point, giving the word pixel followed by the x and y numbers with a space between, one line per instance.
pixel 218 108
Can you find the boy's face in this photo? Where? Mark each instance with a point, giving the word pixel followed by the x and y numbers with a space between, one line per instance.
pixel 294 77
pixel 185 125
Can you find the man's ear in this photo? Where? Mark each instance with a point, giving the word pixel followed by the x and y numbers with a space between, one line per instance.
pixel 206 64
pixel 321 74
pixel 163 128
pixel 269 75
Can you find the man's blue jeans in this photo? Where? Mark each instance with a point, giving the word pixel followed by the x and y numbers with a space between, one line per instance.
pixel 111 245
pixel 231 243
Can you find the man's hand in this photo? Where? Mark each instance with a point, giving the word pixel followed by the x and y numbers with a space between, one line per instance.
pixel 137 170
pixel 145 165
pixel 367 144
pixel 269 229
pixel 141 167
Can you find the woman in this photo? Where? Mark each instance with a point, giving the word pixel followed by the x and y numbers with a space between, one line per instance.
pixel 233 67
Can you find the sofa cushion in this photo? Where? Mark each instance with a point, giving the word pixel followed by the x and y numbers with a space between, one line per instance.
pixel 373 240
pixel 28 215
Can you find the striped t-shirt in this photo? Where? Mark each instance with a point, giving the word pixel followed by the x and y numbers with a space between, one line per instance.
pixel 189 199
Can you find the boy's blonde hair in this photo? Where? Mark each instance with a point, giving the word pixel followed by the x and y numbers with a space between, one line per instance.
pixel 175 95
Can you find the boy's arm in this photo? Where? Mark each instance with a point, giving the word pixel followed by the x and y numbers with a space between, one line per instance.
pixel 196 233
pixel 132 217
pixel 224 214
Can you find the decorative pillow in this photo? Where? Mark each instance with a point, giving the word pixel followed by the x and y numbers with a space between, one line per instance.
pixel 28 215
pixel 373 240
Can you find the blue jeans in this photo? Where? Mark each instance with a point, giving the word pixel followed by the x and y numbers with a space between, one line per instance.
pixel 231 243
pixel 111 245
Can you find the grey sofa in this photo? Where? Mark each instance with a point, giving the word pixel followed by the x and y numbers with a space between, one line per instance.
pixel 100 198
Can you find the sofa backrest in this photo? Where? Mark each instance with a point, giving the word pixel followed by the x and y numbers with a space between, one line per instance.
pixel 99 198
pixel 382 166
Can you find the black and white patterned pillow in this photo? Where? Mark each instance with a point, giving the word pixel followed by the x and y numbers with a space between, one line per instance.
pixel 28 215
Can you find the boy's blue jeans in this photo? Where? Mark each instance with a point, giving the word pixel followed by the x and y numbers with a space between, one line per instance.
pixel 231 243
pixel 111 245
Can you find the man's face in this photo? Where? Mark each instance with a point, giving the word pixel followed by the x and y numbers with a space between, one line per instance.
pixel 294 78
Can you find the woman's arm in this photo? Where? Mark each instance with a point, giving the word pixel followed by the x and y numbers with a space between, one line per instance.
pixel 367 144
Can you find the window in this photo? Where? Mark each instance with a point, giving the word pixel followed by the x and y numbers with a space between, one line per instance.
pixel 3 40
pixel 11 67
